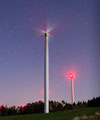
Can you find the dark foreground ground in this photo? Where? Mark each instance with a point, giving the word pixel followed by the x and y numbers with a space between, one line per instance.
pixel 76 114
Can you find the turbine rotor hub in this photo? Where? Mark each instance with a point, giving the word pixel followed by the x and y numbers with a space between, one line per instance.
pixel 45 34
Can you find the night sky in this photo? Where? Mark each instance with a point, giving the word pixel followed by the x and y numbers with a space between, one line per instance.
pixel 74 46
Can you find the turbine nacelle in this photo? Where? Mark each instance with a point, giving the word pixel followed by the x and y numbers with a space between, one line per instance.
pixel 45 34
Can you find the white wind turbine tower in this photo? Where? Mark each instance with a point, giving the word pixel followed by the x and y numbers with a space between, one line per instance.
pixel 46 73
pixel 46 34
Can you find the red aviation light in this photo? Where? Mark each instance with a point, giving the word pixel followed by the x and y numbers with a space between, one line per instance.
pixel 71 75
pixel 22 106
pixel 0 107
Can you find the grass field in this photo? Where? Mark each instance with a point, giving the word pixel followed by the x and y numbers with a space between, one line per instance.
pixel 63 115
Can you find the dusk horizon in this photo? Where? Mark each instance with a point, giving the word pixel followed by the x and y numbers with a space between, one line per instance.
pixel 74 47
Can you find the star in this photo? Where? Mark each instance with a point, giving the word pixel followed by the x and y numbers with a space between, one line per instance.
pixel 30 19
pixel 86 23
pixel 20 0
pixel 10 33
pixel 78 14
pixel 5 63
pixel 99 36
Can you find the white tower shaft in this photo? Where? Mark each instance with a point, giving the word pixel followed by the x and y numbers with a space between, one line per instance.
pixel 72 90
pixel 46 75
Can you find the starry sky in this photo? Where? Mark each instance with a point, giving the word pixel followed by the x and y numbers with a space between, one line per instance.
pixel 73 46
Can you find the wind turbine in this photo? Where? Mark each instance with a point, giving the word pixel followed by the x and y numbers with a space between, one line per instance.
pixel 46 34
pixel 46 73
pixel 72 87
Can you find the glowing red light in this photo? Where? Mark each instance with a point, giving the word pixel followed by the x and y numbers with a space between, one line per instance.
pixel 0 107
pixel 71 75
pixel 22 106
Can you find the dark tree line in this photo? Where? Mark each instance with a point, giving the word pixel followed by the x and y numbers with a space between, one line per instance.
pixel 38 107
pixel 95 102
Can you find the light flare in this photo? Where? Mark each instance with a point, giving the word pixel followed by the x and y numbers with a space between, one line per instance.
pixel 48 30
pixel 22 106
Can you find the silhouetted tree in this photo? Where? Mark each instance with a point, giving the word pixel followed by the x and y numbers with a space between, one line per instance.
pixel 38 107
pixel 12 111
pixel 95 102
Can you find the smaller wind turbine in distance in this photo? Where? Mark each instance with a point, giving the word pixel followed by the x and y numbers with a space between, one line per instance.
pixel 71 76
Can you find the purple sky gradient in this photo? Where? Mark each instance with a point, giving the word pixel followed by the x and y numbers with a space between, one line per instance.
pixel 74 45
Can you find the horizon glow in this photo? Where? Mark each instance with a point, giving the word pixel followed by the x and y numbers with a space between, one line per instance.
pixel 74 48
